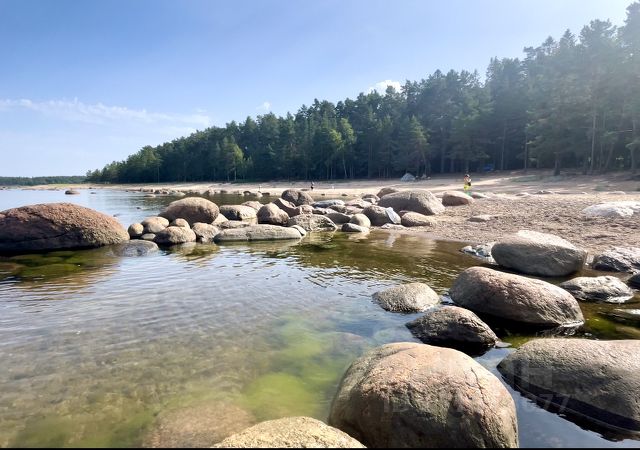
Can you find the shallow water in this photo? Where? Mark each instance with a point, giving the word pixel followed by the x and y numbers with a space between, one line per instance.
pixel 94 347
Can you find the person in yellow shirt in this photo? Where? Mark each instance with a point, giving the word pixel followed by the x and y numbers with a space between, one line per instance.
pixel 467 184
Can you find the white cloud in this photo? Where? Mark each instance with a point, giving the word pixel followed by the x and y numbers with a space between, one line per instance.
pixel 381 86
pixel 266 106
pixel 98 113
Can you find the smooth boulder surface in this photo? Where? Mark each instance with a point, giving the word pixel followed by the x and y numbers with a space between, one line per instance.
pixel 180 223
pixel 154 224
pixel 290 432
pixel 135 248
pixel 135 230
pixel 313 222
pixel 515 297
pixel 380 216
pixel 613 209
pixel 238 212
pixel 410 395
pixel 606 289
pixel 414 219
pixel 599 380
pixel 451 326
pixel 338 218
pixel 287 207
pixel 234 224
pixel 205 232
pixel 420 201
pixel 386 191
pixel 175 235
pixel 192 209
pixel 257 233
pixel 618 260
pixel 297 197
pixel 272 215
pixel 536 253
pixel 57 226
pixel 353 228
pixel 454 198
pixel 407 298
pixel 360 220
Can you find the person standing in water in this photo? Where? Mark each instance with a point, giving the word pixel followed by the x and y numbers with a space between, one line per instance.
pixel 467 184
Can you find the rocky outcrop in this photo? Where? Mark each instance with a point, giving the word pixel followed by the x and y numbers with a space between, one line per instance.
pixel 292 432
pixel 175 235
pixel 414 219
pixel 238 212
pixel 420 201
pixel 536 253
pixel 515 297
pixel 313 222
pixel 192 209
pixel 272 215
pixel 257 233
pixel 598 380
pixel 605 289
pixel 205 232
pixel 451 326
pixel 618 260
pixel 407 298
pixel 454 198
pixel 56 226
pixel 297 197
pixel 409 395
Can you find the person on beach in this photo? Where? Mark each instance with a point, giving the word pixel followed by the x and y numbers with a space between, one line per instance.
pixel 467 184
pixel 312 185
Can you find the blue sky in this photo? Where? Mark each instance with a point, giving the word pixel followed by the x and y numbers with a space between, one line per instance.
pixel 83 83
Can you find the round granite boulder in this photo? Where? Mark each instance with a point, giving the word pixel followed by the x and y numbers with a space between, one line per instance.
pixel 192 209
pixel 407 298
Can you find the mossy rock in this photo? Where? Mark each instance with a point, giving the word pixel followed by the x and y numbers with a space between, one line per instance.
pixel 48 271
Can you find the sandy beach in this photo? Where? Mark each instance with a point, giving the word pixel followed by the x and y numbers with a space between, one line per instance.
pixel 535 201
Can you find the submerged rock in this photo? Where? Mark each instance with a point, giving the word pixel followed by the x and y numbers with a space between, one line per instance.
pixel 292 432
pixel 407 298
pixel 451 326
pixel 257 233
pixel 606 289
pixel 57 226
pixel 313 222
pixel 598 380
pixel 409 395
pixel 515 297
pixel 536 253
pixel 135 248
pixel 618 260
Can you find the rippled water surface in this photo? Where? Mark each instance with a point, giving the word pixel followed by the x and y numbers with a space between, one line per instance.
pixel 95 348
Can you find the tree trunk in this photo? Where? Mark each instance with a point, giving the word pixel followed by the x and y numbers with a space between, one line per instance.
pixel 526 152
pixel 601 156
pixel 556 169
pixel 593 141
pixel 633 148
pixel 443 147
pixel 504 141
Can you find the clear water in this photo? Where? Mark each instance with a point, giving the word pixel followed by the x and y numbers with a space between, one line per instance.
pixel 93 347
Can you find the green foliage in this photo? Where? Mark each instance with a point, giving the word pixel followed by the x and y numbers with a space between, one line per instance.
pixel 35 181
pixel 571 102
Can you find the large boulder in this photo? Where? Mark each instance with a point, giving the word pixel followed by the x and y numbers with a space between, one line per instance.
pixel 338 218
pixel 313 222
pixel 272 215
pixel 606 289
pixel 598 380
pixel 536 253
pixel 515 297
pixel 420 201
pixel 360 220
pixel 451 326
pixel 297 197
pixel 407 298
pixel 455 198
pixel 286 206
pixel 291 432
pixel 199 426
pixel 380 216
pixel 257 233
pixel 618 260
pixel 205 232
pixel 238 212
pixel 175 235
pixel 192 209
pixel 56 226
pixel 154 224
pixel 613 209
pixel 353 228
pixel 414 219
pixel 409 395
pixel 386 191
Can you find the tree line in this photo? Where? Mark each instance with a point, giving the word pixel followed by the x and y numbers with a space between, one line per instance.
pixel 35 181
pixel 572 102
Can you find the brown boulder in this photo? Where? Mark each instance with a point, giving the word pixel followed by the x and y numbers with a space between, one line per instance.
pixel 192 209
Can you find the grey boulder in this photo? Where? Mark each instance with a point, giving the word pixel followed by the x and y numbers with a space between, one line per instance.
pixel 257 233
pixel 606 289
pixel 618 260
pixel 313 222
pixel 420 201
pixel 407 298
